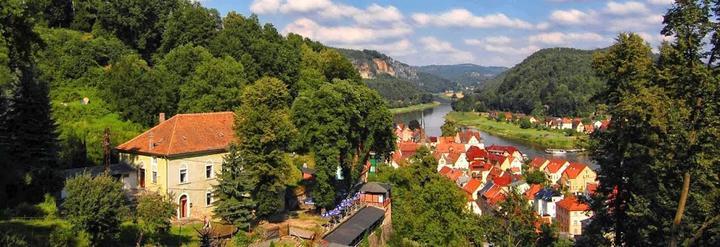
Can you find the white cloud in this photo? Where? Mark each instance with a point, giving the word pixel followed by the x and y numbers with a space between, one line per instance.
pixel 572 17
pixel 525 50
pixel 661 2
pixel 265 6
pixel 377 13
pixel 303 6
pixel 344 34
pixel 464 18
pixel 434 45
pixel 626 8
pixel 556 38
pixel 401 47
pixel 633 23
pixel 494 40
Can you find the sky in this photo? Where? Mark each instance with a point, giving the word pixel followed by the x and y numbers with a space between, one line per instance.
pixel 484 32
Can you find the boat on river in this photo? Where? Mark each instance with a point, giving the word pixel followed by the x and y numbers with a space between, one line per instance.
pixel 578 150
pixel 555 151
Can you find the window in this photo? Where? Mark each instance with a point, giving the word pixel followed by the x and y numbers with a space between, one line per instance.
pixel 154 167
pixel 208 171
pixel 183 175
pixel 208 198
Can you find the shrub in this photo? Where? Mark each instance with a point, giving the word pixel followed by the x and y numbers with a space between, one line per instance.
pixel 48 207
pixel 12 239
pixel 242 239
pixel 153 215
pixel 95 205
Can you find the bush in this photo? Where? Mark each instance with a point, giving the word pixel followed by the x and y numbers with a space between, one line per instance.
pixel 63 236
pixel 242 239
pixel 153 215
pixel 525 123
pixel 48 207
pixel 25 209
pixel 95 205
pixel 12 239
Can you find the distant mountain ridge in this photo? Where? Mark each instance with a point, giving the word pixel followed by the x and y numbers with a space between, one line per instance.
pixel 466 74
pixel 431 78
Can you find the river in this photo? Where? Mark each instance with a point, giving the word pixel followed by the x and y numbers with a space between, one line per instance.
pixel 435 117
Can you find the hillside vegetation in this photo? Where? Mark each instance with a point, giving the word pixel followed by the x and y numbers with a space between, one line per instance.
pixel 463 75
pixel 553 81
pixel 398 92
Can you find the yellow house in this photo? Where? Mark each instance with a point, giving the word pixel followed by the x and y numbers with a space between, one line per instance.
pixel 181 158
pixel 570 214
pixel 576 177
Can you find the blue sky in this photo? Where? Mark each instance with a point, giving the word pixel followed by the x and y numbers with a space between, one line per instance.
pixel 485 32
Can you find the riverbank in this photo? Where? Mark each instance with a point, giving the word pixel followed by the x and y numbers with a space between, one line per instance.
pixel 541 138
pixel 413 108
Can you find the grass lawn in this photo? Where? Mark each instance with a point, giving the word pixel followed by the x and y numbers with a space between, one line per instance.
pixel 37 232
pixel 542 138
pixel 413 108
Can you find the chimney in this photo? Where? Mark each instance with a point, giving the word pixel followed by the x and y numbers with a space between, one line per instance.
pixel 161 118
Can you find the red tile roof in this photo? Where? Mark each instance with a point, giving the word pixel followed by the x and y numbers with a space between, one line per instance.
pixel 445 170
pixel 574 169
pixel 472 186
pixel 453 157
pixel 185 134
pixel 537 162
pixel 495 172
pixel 475 153
pixel 503 180
pixel 530 193
pixel 446 139
pixel 571 203
pixel 555 165
pixel 408 147
pixel 498 148
pixel 455 174
pixel 447 147
pixel 480 166
pixel 466 135
pixel 566 120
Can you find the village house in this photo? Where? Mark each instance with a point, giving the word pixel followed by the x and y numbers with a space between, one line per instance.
pixel 538 164
pixel 471 189
pixel 471 138
pixel 533 120
pixel 180 157
pixel 578 126
pixel 576 177
pixel 545 201
pixel 570 215
pixel 555 168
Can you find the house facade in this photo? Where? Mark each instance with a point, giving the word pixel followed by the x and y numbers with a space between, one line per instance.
pixel 181 157
pixel 570 215
pixel 577 176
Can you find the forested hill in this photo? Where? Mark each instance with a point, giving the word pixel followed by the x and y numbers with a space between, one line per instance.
pixel 553 81
pixel 106 68
pixel 465 75
pixel 400 84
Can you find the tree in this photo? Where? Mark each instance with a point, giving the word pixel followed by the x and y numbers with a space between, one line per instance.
pixel 153 213
pixel 264 129
pixel 94 205
pixel 449 128
pixel 215 85
pixel 414 124
pixel 183 60
pixel 138 23
pixel 525 123
pixel 235 183
pixel 341 123
pixel 190 24
pixel 536 177
pixel 515 222
pixel 29 136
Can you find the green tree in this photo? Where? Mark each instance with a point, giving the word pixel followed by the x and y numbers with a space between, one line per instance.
pixel 341 123
pixel 514 222
pixel 536 177
pixel 138 23
pixel 235 184
pixel 95 205
pixel 264 129
pixel 215 85
pixel 153 213
pixel 190 24
pixel 136 91
pixel 183 60
pixel 449 128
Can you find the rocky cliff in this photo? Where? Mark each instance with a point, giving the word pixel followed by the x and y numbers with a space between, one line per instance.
pixel 371 63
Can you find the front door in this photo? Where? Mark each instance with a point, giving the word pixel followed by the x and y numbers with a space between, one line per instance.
pixel 183 206
pixel 141 177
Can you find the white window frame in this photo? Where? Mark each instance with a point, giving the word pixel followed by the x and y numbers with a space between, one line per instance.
pixel 212 172
pixel 180 174
pixel 154 170
pixel 209 193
